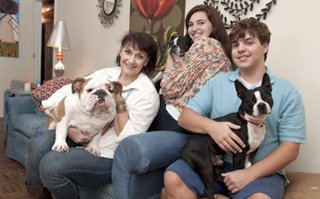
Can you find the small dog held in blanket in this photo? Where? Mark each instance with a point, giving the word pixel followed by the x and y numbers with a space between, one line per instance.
pixel 180 45
pixel 91 108
pixel 205 156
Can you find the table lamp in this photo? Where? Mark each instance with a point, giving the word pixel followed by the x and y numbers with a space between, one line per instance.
pixel 59 40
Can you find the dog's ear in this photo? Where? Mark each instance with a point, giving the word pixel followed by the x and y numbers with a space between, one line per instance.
pixel 77 84
pixel 190 41
pixel 266 82
pixel 240 88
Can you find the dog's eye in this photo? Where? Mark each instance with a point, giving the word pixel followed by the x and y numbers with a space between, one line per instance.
pixel 89 90
pixel 252 101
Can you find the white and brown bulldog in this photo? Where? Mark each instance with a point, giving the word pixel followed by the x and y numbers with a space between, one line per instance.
pixel 91 108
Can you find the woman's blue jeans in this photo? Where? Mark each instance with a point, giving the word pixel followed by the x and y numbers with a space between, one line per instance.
pixel 62 172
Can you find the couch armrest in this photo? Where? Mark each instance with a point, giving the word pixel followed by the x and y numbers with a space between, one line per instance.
pixel 19 105
pixel 144 154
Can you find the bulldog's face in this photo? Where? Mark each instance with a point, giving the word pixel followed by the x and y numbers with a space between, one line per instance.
pixel 96 96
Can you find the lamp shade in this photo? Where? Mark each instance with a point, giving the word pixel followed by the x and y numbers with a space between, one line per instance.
pixel 59 36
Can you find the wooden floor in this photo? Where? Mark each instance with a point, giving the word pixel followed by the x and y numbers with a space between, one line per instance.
pixel 12 175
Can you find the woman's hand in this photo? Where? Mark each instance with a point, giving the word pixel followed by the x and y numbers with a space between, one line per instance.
pixel 78 136
pixel 226 138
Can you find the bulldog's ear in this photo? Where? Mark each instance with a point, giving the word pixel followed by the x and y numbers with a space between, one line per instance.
pixel 116 87
pixel 77 84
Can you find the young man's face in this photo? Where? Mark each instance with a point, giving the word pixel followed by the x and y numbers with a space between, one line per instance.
pixel 248 52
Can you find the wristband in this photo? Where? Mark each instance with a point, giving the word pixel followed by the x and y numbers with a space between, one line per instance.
pixel 121 106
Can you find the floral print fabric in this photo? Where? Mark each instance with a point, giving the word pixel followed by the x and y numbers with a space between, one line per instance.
pixel 181 82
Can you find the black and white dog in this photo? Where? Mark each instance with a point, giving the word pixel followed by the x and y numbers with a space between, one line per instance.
pixel 180 45
pixel 205 156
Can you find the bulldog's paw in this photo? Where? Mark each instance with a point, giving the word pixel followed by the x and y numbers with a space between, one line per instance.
pixel 94 151
pixel 60 147
pixel 117 87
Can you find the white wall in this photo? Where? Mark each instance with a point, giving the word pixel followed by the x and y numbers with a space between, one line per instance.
pixel 19 68
pixel 293 53
pixel 92 45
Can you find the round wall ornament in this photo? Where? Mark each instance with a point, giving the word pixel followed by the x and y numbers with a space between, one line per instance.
pixel 108 11
pixel 235 10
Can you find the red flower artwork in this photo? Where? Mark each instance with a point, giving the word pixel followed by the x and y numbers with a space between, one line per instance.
pixel 154 9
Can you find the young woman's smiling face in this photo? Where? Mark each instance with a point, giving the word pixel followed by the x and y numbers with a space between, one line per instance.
pixel 199 26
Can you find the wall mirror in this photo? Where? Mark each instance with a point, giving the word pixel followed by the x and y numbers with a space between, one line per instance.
pixel 108 11
pixel 108 6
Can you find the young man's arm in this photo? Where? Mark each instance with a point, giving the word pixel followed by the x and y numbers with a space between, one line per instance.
pixel 275 161
pixel 220 132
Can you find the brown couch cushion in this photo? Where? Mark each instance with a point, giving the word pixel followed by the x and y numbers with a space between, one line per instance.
pixel 302 186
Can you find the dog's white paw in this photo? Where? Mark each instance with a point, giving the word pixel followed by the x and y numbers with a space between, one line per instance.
pixel 60 147
pixel 248 164
pixel 94 151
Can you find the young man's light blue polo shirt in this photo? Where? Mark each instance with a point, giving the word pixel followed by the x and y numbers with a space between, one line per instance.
pixel 286 122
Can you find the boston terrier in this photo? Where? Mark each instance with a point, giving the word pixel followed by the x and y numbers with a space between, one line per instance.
pixel 205 156
pixel 180 45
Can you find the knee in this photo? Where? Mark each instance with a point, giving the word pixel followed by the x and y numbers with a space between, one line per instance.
pixel 175 187
pixel 49 168
pixel 171 181
pixel 259 196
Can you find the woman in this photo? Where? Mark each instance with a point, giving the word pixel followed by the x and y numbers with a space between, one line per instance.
pixel 62 172
pixel 182 79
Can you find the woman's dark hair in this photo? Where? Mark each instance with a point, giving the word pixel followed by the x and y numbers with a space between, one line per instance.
pixel 218 30
pixel 145 43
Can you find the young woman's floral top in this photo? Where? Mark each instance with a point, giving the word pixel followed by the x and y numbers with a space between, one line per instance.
pixel 182 81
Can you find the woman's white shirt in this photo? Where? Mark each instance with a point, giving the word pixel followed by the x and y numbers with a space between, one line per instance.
pixel 142 102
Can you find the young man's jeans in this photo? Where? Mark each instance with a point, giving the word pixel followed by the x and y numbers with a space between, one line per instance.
pixel 62 172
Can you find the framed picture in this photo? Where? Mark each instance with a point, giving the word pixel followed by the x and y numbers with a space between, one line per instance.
pixel 155 17
pixel 9 28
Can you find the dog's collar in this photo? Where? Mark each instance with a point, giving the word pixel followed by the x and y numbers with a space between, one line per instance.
pixel 256 123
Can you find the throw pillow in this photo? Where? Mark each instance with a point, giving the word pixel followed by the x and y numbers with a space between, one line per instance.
pixel 46 90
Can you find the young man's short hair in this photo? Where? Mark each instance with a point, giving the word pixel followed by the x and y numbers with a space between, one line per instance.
pixel 251 26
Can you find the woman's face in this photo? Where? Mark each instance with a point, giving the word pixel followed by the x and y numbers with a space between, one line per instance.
pixel 199 26
pixel 132 61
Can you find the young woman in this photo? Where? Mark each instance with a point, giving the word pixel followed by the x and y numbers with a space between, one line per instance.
pixel 62 172
pixel 182 78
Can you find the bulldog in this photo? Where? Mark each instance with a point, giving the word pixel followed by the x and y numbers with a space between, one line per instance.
pixel 91 108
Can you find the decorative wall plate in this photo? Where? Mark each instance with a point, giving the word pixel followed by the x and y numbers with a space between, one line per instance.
pixel 108 11
pixel 235 10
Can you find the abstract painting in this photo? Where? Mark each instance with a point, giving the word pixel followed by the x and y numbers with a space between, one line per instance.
pixel 9 28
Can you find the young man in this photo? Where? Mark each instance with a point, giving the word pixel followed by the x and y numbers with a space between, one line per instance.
pixel 285 125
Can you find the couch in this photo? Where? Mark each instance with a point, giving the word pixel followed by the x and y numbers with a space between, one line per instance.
pixel 137 171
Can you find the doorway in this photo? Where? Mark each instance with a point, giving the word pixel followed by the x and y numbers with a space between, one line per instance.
pixel 47 23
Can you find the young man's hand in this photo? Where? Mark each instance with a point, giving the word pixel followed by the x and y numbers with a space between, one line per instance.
pixel 227 140
pixel 236 180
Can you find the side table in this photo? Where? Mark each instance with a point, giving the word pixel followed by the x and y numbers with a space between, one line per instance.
pixel 7 94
